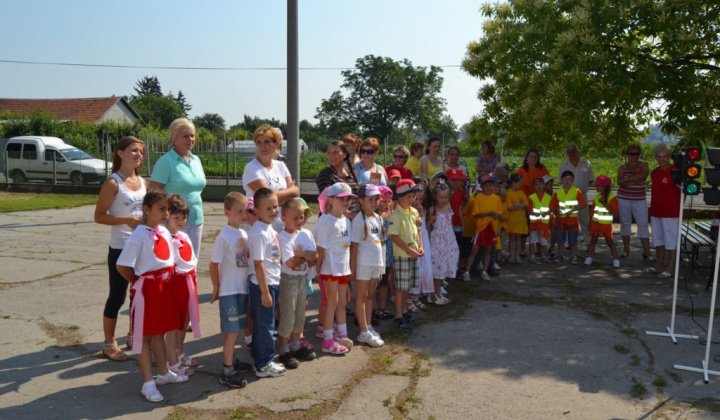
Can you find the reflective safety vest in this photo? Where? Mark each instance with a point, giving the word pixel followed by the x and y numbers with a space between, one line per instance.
pixel 567 201
pixel 602 214
pixel 540 206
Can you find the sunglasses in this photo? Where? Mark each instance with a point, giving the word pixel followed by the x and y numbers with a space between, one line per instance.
pixel 367 151
pixel 400 156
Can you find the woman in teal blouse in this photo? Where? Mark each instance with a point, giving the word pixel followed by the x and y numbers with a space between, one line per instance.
pixel 180 172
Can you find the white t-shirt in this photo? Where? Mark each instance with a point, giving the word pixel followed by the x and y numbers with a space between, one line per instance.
pixel 583 172
pixel 264 246
pixel 144 253
pixel 231 252
pixel 185 259
pixel 301 241
pixel 333 234
pixel 275 178
pixel 126 203
pixel 370 248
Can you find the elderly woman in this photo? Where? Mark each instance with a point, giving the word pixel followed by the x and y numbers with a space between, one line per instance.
pixel 430 164
pixel 664 211
pixel 266 172
pixel 367 171
pixel 180 172
pixel 119 205
pixel 413 162
pixel 488 160
pixel 337 169
pixel 632 200
pixel 352 142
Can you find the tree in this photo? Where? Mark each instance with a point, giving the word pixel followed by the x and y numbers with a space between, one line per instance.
pixel 158 111
pixel 383 94
pixel 148 85
pixel 182 101
pixel 213 122
pixel 252 123
pixel 595 71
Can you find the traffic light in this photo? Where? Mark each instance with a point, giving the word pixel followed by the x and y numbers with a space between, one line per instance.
pixel 711 195
pixel 692 170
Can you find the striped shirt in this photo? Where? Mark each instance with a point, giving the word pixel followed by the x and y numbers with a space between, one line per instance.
pixel 635 191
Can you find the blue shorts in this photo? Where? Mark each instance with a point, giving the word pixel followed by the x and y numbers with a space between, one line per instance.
pixel 233 313
pixel 571 236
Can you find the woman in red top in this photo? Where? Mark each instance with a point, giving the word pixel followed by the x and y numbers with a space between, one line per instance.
pixel 531 169
pixel 664 211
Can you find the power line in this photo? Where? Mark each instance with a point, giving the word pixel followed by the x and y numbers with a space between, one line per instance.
pixel 124 66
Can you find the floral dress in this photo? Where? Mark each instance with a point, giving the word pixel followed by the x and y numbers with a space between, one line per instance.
pixel 445 252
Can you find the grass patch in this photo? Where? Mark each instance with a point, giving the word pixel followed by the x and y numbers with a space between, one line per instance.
pixel 635 360
pixel 11 202
pixel 708 403
pixel 630 332
pixel 660 382
pixel 675 377
pixel 295 398
pixel 63 335
pixel 637 390
pixel 621 349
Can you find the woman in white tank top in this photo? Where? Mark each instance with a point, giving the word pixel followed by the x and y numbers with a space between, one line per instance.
pixel 120 206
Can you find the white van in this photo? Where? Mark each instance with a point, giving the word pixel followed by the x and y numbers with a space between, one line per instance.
pixel 31 157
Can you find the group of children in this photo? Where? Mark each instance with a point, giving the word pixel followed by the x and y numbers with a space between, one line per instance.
pixel 399 242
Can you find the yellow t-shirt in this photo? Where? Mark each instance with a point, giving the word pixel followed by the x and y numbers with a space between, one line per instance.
pixel 413 164
pixel 468 229
pixel 402 224
pixel 483 204
pixel 517 220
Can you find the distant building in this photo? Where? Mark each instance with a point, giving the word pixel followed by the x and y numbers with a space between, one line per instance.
pixel 248 147
pixel 92 110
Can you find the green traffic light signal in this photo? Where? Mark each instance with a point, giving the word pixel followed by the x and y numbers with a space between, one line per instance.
pixel 692 188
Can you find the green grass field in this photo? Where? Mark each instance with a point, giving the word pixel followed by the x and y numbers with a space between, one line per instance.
pixel 10 202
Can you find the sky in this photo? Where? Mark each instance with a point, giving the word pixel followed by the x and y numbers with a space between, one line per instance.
pixel 237 34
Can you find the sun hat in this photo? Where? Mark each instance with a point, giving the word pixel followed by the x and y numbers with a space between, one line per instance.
pixel 386 192
pixel 394 173
pixel 487 178
pixel 567 173
pixel 405 187
pixel 339 189
pixel 547 178
pixel 439 174
pixel 603 181
pixel 368 190
pixel 304 205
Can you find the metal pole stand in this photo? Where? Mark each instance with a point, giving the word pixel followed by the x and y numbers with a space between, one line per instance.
pixel 704 363
pixel 671 329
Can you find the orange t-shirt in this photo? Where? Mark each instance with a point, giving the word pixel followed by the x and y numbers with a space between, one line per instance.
pixel 529 176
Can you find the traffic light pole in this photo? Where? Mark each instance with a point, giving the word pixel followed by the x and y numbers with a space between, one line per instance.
pixel 671 329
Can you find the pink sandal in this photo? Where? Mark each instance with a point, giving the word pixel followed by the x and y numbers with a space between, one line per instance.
pixel 333 347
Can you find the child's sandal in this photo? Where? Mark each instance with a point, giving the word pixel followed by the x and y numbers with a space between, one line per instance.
pixel 187 360
pixel 181 369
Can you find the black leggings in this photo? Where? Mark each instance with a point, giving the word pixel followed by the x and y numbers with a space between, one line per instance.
pixel 118 286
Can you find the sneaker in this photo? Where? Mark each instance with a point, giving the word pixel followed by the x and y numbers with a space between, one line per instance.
pixel 304 353
pixel 490 272
pixel 402 323
pixel 375 333
pixel 496 266
pixel 151 393
pixel 574 260
pixel 242 366
pixel 616 263
pixel 333 347
pixel 485 275
pixel 233 380
pixel 344 340
pixel 370 339
pixel 171 378
pixel 272 369
pixel 409 317
pixel 289 361
pixel 306 344
pixel 320 333
pixel 466 276
pixel 588 261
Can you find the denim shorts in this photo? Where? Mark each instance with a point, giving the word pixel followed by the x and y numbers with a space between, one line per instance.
pixel 233 313
pixel 571 236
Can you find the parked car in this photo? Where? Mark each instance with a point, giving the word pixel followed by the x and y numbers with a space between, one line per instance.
pixel 31 157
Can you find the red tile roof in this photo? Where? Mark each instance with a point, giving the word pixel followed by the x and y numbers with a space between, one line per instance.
pixel 82 110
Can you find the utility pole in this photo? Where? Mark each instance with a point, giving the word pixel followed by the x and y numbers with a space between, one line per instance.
pixel 293 121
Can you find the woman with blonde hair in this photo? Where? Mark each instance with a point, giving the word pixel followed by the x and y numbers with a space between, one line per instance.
pixel 180 172
pixel 366 170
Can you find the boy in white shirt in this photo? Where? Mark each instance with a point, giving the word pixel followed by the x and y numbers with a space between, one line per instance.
pixel 229 271
pixel 265 283
pixel 297 249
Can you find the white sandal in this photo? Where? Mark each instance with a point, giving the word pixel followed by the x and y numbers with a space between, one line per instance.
pixel 151 393
pixel 181 369
pixel 187 360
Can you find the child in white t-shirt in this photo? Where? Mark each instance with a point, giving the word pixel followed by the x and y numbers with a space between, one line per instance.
pixel 332 235
pixel 366 260
pixel 297 249
pixel 229 268
pixel 147 263
pixel 265 283
pixel 185 284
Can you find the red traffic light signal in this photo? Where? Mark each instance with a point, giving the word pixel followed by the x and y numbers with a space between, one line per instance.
pixel 693 153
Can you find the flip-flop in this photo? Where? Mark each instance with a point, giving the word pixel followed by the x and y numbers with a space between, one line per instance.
pixel 664 275
pixel 650 270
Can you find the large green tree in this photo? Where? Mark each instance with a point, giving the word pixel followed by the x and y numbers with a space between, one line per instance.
pixel 382 94
pixel 594 71
pixel 213 122
pixel 158 111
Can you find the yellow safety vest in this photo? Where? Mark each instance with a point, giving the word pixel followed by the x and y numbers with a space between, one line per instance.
pixel 567 201
pixel 540 206
pixel 602 214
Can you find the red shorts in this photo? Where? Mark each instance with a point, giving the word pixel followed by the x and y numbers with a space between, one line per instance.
pixel 600 230
pixel 322 278
pixel 486 237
